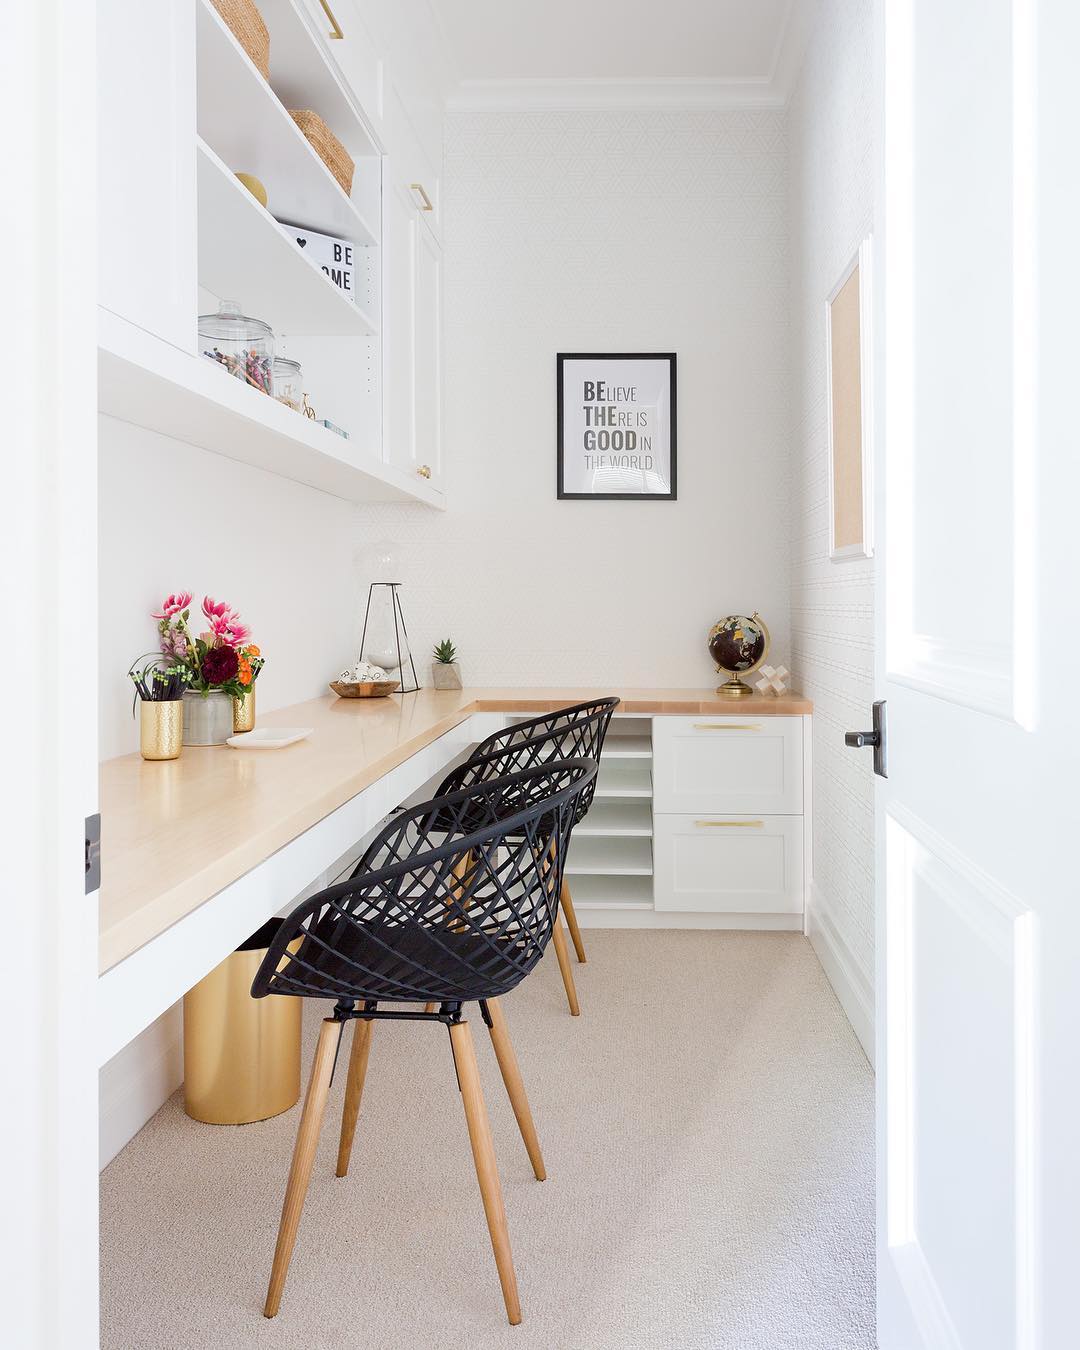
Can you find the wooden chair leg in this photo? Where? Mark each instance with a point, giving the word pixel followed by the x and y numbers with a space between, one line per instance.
pixel 567 905
pixel 487 1173
pixel 515 1088
pixel 307 1140
pixel 354 1091
pixel 558 937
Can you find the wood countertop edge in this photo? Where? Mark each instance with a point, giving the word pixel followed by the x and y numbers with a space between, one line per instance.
pixel 123 935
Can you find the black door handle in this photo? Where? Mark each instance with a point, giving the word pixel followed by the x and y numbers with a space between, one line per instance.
pixel 875 740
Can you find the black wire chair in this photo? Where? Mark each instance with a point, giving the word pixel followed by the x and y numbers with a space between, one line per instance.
pixel 568 733
pixel 459 921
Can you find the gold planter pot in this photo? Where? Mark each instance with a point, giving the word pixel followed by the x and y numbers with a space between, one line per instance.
pixel 241 1054
pixel 243 712
pixel 161 729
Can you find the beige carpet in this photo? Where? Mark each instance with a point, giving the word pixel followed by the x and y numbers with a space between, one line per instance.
pixel 707 1125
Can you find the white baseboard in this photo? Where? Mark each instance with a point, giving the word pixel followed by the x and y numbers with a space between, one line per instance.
pixel 851 987
pixel 137 1081
pixel 630 916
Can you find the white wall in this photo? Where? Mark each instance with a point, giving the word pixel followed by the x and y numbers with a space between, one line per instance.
pixel 172 516
pixel 831 120
pixel 604 231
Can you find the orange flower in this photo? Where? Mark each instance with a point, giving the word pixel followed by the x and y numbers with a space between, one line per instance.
pixel 245 675
pixel 252 650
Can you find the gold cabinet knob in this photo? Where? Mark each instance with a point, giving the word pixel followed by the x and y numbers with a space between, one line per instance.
pixel 423 470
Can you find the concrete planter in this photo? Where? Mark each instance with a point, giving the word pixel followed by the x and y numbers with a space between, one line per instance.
pixel 446 676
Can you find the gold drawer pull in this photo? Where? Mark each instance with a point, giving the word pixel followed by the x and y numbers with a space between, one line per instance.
pixel 419 187
pixel 732 824
pixel 335 27
pixel 727 726
pixel 424 471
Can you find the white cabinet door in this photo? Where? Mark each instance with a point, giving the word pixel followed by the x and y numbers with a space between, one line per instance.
pixel 399 248
pixel 728 864
pixel 146 166
pixel 728 764
pixel 427 355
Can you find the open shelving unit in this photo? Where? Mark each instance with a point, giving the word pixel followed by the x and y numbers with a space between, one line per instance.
pixel 610 863
pixel 244 121
pixel 246 255
pixel 243 251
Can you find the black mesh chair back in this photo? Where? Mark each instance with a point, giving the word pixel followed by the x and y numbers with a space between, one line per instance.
pixel 576 732
pixel 444 922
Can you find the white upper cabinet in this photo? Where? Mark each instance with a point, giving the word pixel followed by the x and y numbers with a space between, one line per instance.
pixel 183 111
pixel 146 166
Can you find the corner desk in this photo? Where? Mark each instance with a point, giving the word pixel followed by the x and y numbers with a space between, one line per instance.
pixel 699 821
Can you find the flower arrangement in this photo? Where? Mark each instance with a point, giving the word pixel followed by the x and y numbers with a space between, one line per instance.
pixel 221 658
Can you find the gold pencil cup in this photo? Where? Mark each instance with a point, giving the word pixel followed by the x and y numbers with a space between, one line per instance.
pixel 241 1054
pixel 161 729
pixel 243 712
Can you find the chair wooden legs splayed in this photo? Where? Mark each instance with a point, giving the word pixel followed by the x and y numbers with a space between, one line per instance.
pixel 307 1140
pixel 476 1117
pixel 558 940
pixel 487 1173
pixel 566 903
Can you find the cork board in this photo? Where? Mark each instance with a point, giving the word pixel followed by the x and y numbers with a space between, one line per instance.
pixel 848 456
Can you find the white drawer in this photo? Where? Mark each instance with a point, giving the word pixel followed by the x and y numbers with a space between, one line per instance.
pixel 728 764
pixel 728 864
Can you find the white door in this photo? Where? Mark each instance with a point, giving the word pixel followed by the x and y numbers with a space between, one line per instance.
pixel 979 820
pixel 48 679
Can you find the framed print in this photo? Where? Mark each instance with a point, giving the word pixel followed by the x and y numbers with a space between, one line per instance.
pixel 848 337
pixel 616 425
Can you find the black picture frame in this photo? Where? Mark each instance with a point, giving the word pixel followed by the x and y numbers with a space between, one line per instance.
pixel 561 493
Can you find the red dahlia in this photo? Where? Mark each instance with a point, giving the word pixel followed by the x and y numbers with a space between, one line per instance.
pixel 220 665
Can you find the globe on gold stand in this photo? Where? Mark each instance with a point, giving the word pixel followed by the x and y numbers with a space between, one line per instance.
pixel 738 645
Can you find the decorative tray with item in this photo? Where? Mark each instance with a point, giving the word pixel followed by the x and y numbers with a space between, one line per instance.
pixel 364 680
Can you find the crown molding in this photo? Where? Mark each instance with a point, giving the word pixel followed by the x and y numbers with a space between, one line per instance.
pixel 614 94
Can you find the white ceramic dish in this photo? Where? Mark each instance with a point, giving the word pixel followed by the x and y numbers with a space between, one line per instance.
pixel 268 738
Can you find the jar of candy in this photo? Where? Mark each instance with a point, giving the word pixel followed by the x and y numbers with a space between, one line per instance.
pixel 288 383
pixel 242 345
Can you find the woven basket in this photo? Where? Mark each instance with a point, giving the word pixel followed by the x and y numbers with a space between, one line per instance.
pixel 326 145
pixel 246 24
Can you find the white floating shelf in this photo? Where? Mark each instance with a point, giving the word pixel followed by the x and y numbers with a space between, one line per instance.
pixel 628 747
pixel 245 255
pixel 303 76
pixel 591 856
pixel 623 778
pixel 609 892
pixel 616 819
pixel 152 384
pixel 250 130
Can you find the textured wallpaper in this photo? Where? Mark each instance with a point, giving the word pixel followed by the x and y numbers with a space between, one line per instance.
pixel 602 231
pixel 831 194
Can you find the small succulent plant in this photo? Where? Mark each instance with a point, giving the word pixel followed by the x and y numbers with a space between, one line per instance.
pixel 445 652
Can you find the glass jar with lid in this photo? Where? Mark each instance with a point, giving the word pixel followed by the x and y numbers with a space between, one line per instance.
pixel 242 345
pixel 289 383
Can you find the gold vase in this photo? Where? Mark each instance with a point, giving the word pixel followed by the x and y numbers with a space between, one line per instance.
pixel 243 712
pixel 161 729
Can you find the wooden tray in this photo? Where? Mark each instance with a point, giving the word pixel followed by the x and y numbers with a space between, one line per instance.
pixel 367 689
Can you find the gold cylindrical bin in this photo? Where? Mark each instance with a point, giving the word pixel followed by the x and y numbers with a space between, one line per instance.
pixel 241 1054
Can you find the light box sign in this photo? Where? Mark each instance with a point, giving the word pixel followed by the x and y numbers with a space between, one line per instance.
pixel 616 425
pixel 336 257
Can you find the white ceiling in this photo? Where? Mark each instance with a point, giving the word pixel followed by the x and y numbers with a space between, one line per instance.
pixel 731 42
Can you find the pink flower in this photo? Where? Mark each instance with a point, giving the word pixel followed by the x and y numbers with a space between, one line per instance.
pixel 229 630
pixel 173 604
pixel 215 608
